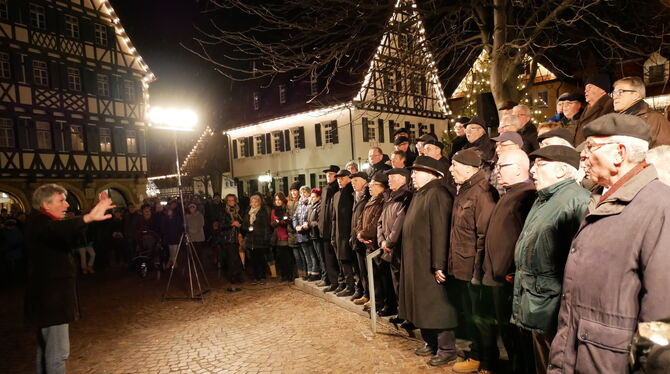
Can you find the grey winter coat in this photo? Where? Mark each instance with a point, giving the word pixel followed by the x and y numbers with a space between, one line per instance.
pixel 616 275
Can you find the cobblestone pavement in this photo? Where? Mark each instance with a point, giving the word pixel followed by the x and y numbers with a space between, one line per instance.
pixel 274 328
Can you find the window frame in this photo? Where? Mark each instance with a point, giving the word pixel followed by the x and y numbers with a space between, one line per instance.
pixel 73 80
pixel 71 26
pixel 77 141
pixel 41 73
pixel 129 90
pixel 282 94
pixel 131 141
pixel 39 135
pixel 103 85
pixel 7 133
pixel 5 66
pixel 105 140
pixel 101 37
pixel 38 17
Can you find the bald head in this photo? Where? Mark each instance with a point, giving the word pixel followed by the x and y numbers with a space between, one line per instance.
pixel 512 167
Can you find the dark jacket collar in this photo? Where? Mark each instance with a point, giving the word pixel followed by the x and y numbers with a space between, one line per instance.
pixel 640 107
pixel 548 192
pixel 525 185
pixel 474 180
pixel 400 193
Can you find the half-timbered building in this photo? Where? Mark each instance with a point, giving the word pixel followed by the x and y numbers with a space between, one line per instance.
pixel 73 91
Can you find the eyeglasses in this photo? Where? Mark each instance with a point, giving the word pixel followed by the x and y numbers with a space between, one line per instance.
pixel 592 147
pixel 619 92
pixel 500 166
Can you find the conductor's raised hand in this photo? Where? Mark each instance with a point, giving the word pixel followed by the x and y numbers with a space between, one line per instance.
pixel 99 211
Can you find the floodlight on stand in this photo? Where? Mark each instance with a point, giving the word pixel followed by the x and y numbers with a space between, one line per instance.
pixel 175 119
pixel 265 178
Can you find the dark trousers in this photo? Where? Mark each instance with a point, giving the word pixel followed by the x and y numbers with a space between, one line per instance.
pixel 443 342
pixel 259 263
pixel 541 347
pixel 284 261
pixel 347 267
pixel 467 306
pixel 384 292
pixel 517 344
pixel 395 277
pixel 485 340
pixel 362 283
pixel 234 266
pixel 332 266
pixel 318 249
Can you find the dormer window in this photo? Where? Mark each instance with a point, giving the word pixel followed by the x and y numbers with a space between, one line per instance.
pixel 656 69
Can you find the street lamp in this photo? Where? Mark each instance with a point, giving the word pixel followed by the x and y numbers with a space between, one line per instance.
pixel 180 120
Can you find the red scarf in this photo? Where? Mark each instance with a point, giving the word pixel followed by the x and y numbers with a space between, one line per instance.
pixel 50 215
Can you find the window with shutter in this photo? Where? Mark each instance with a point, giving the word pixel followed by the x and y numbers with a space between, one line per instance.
pixel 7 138
pixel 298 137
pixel 282 94
pixel 40 73
pixel 103 85
pixel 235 154
pixel 250 146
pixel 105 139
pixel 73 79
pixel 391 130
pixel 43 132
pixel 287 140
pixel 278 141
pixel 71 27
pixel 260 144
pixel 100 35
pixel 332 133
pixel 365 129
pixel 38 17
pixel 432 128
pixel 131 141
pixel 76 138
pixel 380 127
pixel 5 71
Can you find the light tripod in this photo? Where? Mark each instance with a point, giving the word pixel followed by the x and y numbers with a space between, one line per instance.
pixel 193 264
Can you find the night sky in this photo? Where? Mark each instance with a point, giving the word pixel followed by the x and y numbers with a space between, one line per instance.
pixel 156 28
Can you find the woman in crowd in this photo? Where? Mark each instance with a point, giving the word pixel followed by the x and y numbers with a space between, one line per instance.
pixel 231 222
pixel 257 231
pixel 303 237
pixel 171 228
pixel 195 225
pixel 280 221
pixel 291 206
pixel 313 221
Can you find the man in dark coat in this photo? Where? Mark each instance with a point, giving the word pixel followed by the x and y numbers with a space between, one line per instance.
pixel 460 140
pixel 325 229
pixel 471 213
pixel 628 95
pixel 401 143
pixel 340 237
pixel 616 273
pixel 51 295
pixel 423 298
pixel 376 160
pixel 131 225
pixel 475 132
pixel 528 131
pixel 504 228
pixel 598 101
pixel 359 182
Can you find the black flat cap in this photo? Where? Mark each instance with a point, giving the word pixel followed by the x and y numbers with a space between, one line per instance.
pixel 399 131
pixel 295 186
pixel 511 136
pixel 618 124
pixel 463 120
pixel 343 173
pixel 360 174
pixel 572 96
pixel 560 153
pixel 559 133
pixel 429 164
pixel 401 139
pixel 469 156
pixel 381 178
pixel 426 137
pixel 601 80
pixel 400 171
pixel 476 121
pixel 332 168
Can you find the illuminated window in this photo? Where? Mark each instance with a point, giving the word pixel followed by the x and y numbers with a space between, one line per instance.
pixel 77 138
pixel 313 83
pixel 105 139
pixel 131 141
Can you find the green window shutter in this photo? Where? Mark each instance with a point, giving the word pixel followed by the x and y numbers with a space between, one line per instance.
pixel 287 140
pixel 334 132
pixel 317 133
pixel 235 155
pixel 380 126
pixel 366 137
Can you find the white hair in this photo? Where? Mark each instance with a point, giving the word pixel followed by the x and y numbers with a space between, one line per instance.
pixel 636 147
pixel 511 120
pixel 570 171
pixel 555 140
pixel 522 108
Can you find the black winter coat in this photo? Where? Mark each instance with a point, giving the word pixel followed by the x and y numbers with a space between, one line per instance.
pixel 51 294
pixel 259 237
pixel 343 203
pixel 389 226
pixel 313 220
pixel 425 243
pixel 357 215
pixel 326 214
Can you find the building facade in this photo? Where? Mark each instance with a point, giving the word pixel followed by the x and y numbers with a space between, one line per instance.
pixel 73 96
pixel 400 89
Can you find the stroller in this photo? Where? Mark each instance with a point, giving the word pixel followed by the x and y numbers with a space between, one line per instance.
pixel 148 253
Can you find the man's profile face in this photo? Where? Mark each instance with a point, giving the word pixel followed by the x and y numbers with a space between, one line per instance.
pixel 57 205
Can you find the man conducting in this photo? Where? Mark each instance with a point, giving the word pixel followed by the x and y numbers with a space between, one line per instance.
pixel 51 296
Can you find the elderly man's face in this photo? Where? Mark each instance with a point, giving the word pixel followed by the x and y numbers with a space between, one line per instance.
pixel 343 181
pixel 601 155
pixel 624 96
pixel 571 108
pixel 507 145
pixel 397 161
pixel 420 178
pixel 592 93
pixel 524 116
pixel 545 173
pixel 358 184
pixel 461 172
pixel 506 172
pixel 432 151
pixel 396 181
pixel 57 205
pixel 330 177
pixel 374 156
pixel 419 149
pixel 474 132
pixel 352 169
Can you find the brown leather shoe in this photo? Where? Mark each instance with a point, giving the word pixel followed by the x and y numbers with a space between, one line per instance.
pixel 361 300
